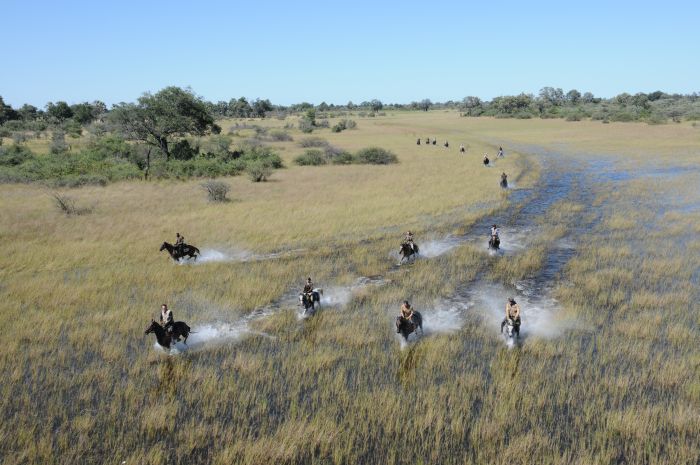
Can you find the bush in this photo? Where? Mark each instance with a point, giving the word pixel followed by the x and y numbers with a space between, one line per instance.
pixel 58 142
pixel 15 155
pixel 306 126
pixel 278 135
pixel 216 190
pixel 313 142
pixel 182 150
pixel 344 158
pixel 258 171
pixel 67 205
pixel 374 156
pixel 311 157
pixel 657 118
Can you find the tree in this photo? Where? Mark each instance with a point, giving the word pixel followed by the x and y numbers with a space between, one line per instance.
pixel 59 110
pixel 323 106
pixel 28 112
pixel 376 105
pixel 7 113
pixel 573 96
pixel 239 108
pixel 472 105
pixel 260 107
pixel 425 104
pixel 83 113
pixel 588 97
pixel 552 96
pixel 350 105
pixel 156 119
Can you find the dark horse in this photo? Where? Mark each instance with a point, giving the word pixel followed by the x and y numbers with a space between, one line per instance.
pixel 166 339
pixel 504 183
pixel 188 251
pixel 407 251
pixel 309 301
pixel 494 243
pixel 405 327
pixel 486 161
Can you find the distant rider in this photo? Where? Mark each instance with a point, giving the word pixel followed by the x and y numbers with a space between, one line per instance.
pixel 512 314
pixel 418 141
pixel 500 152
pixel 486 159
pixel 461 148
pixel 179 243
pixel 504 179
pixel 494 232
pixel 166 318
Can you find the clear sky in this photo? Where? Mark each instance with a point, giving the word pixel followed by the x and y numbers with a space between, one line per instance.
pixel 335 51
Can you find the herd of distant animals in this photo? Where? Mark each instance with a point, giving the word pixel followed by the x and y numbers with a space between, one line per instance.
pixel 404 326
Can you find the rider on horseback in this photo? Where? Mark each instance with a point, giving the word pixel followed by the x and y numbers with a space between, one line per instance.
pixel 512 314
pixel 504 178
pixel 500 152
pixel 408 240
pixel 494 232
pixel 406 312
pixel 179 243
pixel 308 287
pixel 166 318
pixel 486 159
pixel 461 148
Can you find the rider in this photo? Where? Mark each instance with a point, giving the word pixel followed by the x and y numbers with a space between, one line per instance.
pixel 486 159
pixel 166 318
pixel 500 152
pixel 179 243
pixel 461 148
pixel 408 239
pixel 512 313
pixel 309 286
pixel 406 312
pixel 494 231
pixel 504 178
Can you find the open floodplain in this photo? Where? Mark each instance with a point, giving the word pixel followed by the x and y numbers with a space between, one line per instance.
pixel 600 246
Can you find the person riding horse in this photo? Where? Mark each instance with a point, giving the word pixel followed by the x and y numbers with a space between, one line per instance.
pixel 179 243
pixel 446 144
pixel 406 312
pixel 418 141
pixel 504 180
pixel 486 159
pixel 408 239
pixel 513 315
pixel 308 287
pixel 461 148
pixel 166 318
pixel 500 152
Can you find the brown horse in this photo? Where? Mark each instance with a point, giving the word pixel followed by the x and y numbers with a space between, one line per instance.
pixel 188 251
pixel 166 339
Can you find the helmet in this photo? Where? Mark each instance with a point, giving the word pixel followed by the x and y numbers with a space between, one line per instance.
pixel 405 302
pixel 308 279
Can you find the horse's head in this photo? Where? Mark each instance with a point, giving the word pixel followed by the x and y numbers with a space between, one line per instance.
pixel 151 327
pixel 162 246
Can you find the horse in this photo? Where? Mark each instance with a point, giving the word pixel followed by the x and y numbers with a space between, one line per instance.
pixel 309 301
pixel 494 243
pixel 504 183
pixel 434 141
pixel 418 141
pixel 462 149
pixel 446 144
pixel 166 339
pixel 188 251
pixel 405 326
pixel 486 161
pixel 407 251
pixel 512 329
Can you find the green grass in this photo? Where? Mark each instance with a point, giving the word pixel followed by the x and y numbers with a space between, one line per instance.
pixel 621 385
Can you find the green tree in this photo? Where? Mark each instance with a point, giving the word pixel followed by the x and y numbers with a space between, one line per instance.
pixel 472 105
pixel 6 112
pixel 83 113
pixel 156 119
pixel 573 96
pixel 59 111
pixel 240 108
pixel 260 107
pixel 28 112
pixel 376 105
pixel 425 104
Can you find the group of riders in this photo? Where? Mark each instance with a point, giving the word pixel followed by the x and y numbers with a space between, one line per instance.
pixel 407 313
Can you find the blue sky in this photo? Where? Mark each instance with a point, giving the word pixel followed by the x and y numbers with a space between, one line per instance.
pixel 338 51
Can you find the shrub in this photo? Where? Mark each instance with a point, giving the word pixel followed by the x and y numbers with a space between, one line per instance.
pixel 15 155
pixel 58 142
pixel 216 190
pixel 306 126
pixel 311 157
pixel 313 142
pixel 258 171
pixel 344 158
pixel 67 205
pixel 657 118
pixel 375 156
pixel 182 150
pixel 279 135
